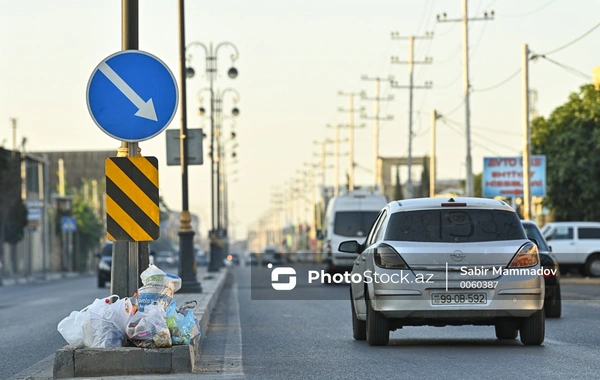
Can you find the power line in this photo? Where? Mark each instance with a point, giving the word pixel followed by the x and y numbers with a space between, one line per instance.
pixel 455 108
pixel 425 11
pixel 450 56
pixel 462 134
pixel 529 13
pixel 478 41
pixel 570 69
pixel 449 84
pixel 574 41
pixel 476 133
pixel 499 84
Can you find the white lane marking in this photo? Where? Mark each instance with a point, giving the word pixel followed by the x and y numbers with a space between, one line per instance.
pixel 233 342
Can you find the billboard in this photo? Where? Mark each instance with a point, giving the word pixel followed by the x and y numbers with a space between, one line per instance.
pixel 503 176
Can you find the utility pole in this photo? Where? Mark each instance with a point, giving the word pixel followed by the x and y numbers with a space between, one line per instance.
pixel 337 155
pixel 376 118
pixel 411 62
pixel 324 155
pixel 351 110
pixel 466 85
pixel 14 136
pixel 526 137
pixel 432 156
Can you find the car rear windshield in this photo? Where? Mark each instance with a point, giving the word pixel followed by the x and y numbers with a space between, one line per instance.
pixel 353 223
pixel 454 225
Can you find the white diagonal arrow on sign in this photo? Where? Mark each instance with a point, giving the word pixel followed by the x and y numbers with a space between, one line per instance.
pixel 145 109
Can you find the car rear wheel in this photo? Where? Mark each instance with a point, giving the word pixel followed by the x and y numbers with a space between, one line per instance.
pixel 378 330
pixel 553 306
pixel 359 328
pixel 506 332
pixel 533 329
pixel 592 266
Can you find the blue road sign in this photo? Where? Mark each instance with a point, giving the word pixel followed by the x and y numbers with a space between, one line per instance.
pixel 34 214
pixel 68 224
pixel 503 176
pixel 132 95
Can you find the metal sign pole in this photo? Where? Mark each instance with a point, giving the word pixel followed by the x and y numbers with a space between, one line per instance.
pixel 124 268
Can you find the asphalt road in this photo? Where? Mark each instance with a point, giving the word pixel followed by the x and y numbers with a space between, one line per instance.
pixel 29 315
pixel 302 339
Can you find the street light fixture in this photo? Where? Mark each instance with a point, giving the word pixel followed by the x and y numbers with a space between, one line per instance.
pixel 217 234
pixel 232 73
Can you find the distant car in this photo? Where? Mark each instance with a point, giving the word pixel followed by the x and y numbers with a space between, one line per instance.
pixel 348 217
pixel 234 258
pixel 575 245
pixel 271 256
pixel 446 261
pixel 105 263
pixel 552 297
pixel 202 257
pixel 166 259
pixel 252 259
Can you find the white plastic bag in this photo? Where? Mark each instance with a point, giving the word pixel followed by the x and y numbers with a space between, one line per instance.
pixel 119 313
pixel 153 276
pixel 71 328
pixel 105 324
pixel 149 329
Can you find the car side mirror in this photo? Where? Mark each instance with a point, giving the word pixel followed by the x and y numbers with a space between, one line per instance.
pixel 535 242
pixel 350 246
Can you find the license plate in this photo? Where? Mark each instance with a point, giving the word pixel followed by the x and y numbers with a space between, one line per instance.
pixel 458 298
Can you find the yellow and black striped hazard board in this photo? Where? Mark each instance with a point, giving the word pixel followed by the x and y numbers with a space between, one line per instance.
pixel 132 212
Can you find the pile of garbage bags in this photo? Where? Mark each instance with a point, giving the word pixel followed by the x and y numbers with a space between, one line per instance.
pixel 148 319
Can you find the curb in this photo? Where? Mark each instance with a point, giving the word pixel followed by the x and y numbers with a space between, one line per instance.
pixel 205 315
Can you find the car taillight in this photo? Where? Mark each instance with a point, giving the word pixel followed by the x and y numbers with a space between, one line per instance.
pixel 527 256
pixel 548 273
pixel 387 257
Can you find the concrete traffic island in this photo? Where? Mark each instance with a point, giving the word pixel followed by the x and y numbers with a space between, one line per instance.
pixel 95 362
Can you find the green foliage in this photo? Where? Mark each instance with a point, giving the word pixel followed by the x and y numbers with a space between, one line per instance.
pixel 570 139
pixel 90 227
pixel 398 188
pixel 478 191
pixel 16 223
pixel 424 190
pixel 13 213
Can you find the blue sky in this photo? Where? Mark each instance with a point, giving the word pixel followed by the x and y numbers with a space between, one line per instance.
pixel 294 57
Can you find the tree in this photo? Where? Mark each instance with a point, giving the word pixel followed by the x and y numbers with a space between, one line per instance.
pixel 398 188
pixel 570 139
pixel 89 227
pixel 424 190
pixel 13 213
pixel 477 184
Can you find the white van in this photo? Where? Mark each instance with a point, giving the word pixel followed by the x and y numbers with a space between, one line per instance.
pixel 575 245
pixel 348 217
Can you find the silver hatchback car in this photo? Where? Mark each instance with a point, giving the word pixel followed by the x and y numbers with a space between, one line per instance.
pixel 439 262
